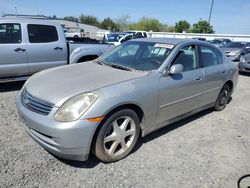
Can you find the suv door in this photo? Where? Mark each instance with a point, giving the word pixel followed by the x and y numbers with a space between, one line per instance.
pixel 181 93
pixel 46 48
pixel 215 73
pixel 13 57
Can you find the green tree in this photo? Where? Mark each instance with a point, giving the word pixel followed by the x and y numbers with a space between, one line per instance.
pixel 109 24
pixel 202 27
pixel 182 26
pixel 71 18
pixel 147 24
pixel 168 28
pixel 87 19
pixel 122 22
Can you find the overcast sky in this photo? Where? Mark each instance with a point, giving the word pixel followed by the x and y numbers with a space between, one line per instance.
pixel 229 16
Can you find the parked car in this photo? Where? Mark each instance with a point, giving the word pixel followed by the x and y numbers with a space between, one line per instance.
pixel 200 38
pixel 243 51
pixel 233 49
pixel 220 42
pixel 73 34
pixel 138 87
pixel 244 64
pixel 29 46
pixel 138 34
pixel 116 38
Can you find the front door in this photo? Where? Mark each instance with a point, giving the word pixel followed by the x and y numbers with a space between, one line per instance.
pixel 181 93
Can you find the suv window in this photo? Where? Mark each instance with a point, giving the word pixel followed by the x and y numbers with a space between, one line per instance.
pixel 187 58
pixel 10 33
pixel 42 33
pixel 210 56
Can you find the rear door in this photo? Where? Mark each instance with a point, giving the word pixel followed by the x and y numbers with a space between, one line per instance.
pixel 215 73
pixel 13 53
pixel 181 93
pixel 46 48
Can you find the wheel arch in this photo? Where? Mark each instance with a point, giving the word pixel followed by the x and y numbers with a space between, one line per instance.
pixel 231 85
pixel 132 106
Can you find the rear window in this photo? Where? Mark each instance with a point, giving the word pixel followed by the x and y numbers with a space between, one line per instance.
pixel 42 33
pixel 10 33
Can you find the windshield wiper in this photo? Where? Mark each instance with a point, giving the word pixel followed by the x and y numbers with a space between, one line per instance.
pixel 98 62
pixel 119 67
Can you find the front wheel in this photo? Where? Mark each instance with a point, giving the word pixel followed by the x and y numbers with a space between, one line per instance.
pixel 222 98
pixel 117 136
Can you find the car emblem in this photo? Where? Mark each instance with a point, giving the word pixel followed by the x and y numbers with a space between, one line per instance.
pixel 26 101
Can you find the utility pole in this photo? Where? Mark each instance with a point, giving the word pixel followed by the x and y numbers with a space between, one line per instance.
pixel 211 10
pixel 16 11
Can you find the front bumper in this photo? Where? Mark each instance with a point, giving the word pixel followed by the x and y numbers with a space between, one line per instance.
pixel 244 67
pixel 71 140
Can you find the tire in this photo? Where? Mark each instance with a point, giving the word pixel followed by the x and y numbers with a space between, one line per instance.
pixel 76 36
pixel 117 136
pixel 222 98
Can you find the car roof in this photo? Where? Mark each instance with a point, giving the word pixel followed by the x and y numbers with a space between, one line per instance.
pixel 29 21
pixel 173 41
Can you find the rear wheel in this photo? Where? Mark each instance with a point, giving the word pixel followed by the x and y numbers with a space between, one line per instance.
pixel 222 98
pixel 117 136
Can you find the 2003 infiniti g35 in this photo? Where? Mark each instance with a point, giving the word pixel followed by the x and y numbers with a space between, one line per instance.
pixel 138 87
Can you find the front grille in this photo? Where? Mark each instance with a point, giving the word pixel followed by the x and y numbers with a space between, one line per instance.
pixel 34 104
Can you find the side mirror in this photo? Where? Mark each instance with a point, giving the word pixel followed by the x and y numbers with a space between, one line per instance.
pixel 176 69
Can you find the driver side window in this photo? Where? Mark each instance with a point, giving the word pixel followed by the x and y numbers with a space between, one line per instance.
pixel 187 58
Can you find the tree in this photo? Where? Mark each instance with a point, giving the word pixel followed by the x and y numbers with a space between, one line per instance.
pixel 182 26
pixel 109 24
pixel 202 27
pixel 122 22
pixel 87 19
pixel 71 18
pixel 147 24
pixel 168 28
pixel 54 17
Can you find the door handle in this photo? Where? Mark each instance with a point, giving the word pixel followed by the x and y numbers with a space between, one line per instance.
pixel 198 78
pixel 19 50
pixel 58 48
pixel 224 72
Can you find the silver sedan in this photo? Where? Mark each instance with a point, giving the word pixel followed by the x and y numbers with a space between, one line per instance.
pixel 106 105
pixel 244 64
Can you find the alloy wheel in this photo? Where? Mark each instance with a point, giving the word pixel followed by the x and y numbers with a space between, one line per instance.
pixel 119 137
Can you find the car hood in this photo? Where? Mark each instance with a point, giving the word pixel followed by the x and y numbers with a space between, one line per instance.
pixel 59 84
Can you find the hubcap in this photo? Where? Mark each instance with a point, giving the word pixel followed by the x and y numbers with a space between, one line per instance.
pixel 223 98
pixel 119 136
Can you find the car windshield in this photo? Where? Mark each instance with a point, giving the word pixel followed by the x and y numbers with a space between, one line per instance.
pixel 137 55
pixel 234 45
pixel 115 37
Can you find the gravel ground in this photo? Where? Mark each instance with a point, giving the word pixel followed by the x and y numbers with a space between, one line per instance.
pixel 210 149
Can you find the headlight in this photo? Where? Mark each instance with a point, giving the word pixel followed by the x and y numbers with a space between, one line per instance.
pixel 242 60
pixel 75 107
pixel 233 53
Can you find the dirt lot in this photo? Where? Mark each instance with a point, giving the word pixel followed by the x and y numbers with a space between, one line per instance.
pixel 210 149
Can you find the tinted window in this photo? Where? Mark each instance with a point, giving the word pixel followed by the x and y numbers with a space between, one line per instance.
pixel 210 56
pixel 187 58
pixel 42 33
pixel 10 33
